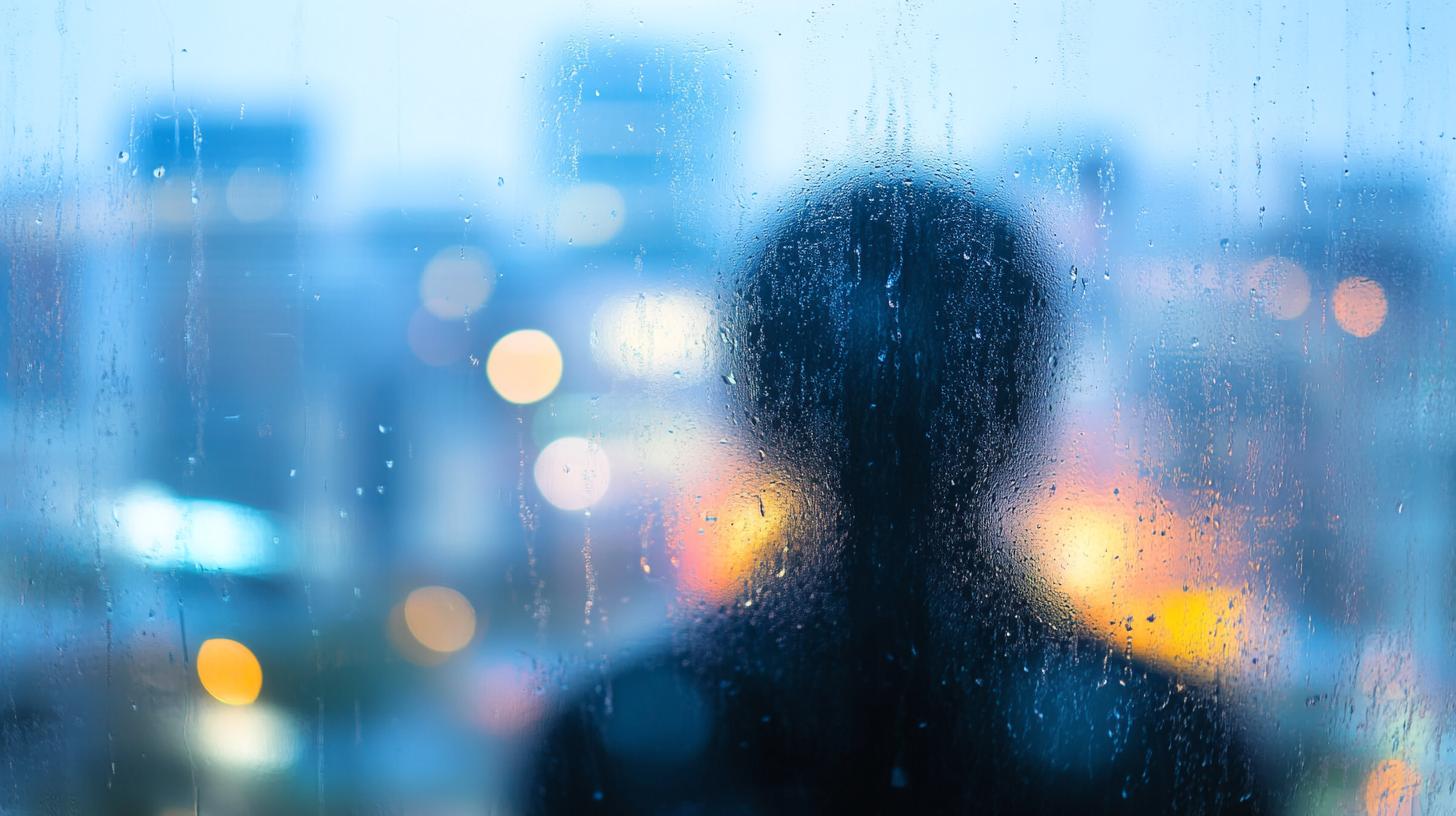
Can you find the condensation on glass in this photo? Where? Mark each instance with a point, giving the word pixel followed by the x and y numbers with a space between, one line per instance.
pixel 700 409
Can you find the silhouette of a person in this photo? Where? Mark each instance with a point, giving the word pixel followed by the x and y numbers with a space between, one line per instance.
pixel 896 344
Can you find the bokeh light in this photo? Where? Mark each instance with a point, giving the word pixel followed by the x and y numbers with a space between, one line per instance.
pixel 660 337
pixel 229 671
pixel 399 636
pixel 724 534
pixel 439 619
pixel 573 473
pixel 1198 633
pixel 150 520
pixel 1392 789
pixel 1102 539
pixel 256 738
pixel 590 214
pixel 1360 306
pixel 1136 574
pixel 524 366
pixel 456 282
pixel 1281 287
pixel 163 530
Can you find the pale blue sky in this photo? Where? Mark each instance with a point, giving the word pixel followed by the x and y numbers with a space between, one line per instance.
pixel 429 99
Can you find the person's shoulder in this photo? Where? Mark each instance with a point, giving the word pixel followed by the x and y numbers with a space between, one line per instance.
pixel 1088 723
pixel 1058 725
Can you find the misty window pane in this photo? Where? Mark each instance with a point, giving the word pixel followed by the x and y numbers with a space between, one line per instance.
pixel 698 408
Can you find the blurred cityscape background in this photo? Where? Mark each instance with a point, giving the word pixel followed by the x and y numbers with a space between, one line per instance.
pixel 366 390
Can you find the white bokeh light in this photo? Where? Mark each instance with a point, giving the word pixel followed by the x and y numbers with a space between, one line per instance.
pixel 163 530
pixel 256 737
pixel 573 473
pixel 658 337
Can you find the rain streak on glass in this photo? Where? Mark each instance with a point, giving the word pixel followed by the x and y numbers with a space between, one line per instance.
pixel 653 407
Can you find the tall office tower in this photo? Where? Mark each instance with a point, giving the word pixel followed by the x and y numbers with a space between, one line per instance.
pixel 219 408
pixel 639 144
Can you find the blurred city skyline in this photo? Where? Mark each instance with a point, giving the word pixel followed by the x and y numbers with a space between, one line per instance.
pixel 1224 101
pixel 371 370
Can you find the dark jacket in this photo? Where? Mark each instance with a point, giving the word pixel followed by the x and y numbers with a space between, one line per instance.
pixel 896 339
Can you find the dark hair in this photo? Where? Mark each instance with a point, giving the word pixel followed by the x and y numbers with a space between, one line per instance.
pixel 898 330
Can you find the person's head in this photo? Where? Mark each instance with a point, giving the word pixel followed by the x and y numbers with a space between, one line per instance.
pixel 899 333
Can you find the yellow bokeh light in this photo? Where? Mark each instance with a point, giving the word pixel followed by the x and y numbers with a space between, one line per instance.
pixel 439 618
pixel 1137 575
pixel 1197 633
pixel 1360 306
pixel 1281 286
pixel 524 366
pixel 1093 547
pixel 229 671
pixel 723 536
pixel 1391 789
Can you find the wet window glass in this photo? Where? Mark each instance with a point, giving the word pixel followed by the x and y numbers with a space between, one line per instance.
pixel 713 408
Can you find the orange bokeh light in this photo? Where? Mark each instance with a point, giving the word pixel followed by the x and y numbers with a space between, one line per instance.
pixel 721 536
pixel 439 618
pixel 1360 306
pixel 1136 573
pixel 1391 789
pixel 229 671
